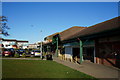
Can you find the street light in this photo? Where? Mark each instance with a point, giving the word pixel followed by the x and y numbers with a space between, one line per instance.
pixel 41 49
pixel 41 46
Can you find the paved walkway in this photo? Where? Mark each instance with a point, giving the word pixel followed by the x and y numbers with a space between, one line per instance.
pixel 95 70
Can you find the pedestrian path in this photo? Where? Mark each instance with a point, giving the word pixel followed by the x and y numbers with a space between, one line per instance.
pixel 96 70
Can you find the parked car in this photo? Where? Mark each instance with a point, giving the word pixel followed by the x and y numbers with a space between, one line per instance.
pixel 27 52
pixel 8 52
pixel 20 51
pixel 36 53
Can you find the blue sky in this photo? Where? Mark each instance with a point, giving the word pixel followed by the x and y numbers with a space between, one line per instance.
pixel 27 19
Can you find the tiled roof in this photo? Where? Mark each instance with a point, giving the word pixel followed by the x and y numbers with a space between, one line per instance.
pixel 48 39
pixel 68 33
pixel 21 41
pixel 98 28
pixel 50 36
pixel 9 39
pixel 13 40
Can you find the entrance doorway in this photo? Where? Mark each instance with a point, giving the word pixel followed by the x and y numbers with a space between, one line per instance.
pixel 88 54
pixel 76 54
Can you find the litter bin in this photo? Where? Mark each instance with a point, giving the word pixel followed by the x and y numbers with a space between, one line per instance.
pixel 49 57
pixel 43 57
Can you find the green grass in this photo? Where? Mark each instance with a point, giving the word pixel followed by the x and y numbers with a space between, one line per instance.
pixel 38 69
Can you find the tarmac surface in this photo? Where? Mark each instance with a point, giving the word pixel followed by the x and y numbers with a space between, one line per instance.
pixel 96 70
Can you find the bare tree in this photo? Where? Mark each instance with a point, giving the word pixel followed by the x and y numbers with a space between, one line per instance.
pixel 3 26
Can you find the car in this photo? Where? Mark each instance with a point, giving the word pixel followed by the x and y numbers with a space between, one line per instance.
pixel 36 53
pixel 8 52
pixel 20 52
pixel 27 52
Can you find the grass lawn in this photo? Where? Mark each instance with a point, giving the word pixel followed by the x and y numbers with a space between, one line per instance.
pixel 38 69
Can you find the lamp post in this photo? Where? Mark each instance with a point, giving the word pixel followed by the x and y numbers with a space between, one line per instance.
pixel 41 49
pixel 41 46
